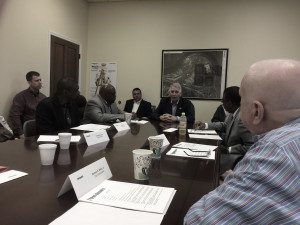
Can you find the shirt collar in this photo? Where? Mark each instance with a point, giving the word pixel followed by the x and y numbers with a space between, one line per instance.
pixel 174 103
pixel 138 102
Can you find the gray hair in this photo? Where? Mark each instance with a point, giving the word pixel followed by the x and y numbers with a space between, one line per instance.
pixel 177 86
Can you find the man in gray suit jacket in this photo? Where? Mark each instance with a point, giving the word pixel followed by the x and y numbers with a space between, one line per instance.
pixel 102 107
pixel 238 138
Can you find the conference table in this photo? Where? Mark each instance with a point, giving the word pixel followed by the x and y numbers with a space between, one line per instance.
pixel 32 199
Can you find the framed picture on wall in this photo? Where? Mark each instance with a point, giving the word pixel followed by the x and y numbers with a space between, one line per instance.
pixel 202 73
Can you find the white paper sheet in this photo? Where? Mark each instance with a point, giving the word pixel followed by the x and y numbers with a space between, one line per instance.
pixel 205 136
pixel 169 130
pixel 139 121
pixel 131 196
pixel 11 175
pixel 193 131
pixel 194 146
pixel 92 214
pixel 55 138
pixel 91 127
pixel 122 126
pixel 180 153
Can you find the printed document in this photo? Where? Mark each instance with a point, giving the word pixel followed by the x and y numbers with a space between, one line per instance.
pixel 131 196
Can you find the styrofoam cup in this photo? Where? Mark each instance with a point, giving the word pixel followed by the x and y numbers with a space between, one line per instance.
pixel 64 140
pixel 47 153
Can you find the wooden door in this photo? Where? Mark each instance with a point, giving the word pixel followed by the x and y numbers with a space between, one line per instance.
pixel 64 61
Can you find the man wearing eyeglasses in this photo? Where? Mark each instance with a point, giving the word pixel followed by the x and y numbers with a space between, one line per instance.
pixel 170 108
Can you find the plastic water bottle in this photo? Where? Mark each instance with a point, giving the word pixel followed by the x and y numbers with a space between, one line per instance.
pixel 182 124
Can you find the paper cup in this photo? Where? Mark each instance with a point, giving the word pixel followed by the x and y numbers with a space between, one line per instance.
pixel 47 153
pixel 64 140
pixel 141 162
pixel 155 144
pixel 128 117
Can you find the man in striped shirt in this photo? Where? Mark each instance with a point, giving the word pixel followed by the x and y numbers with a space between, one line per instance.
pixel 264 187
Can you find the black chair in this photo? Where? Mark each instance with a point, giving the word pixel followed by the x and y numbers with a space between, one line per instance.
pixel 29 128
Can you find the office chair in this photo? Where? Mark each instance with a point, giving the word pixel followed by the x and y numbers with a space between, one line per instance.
pixel 29 128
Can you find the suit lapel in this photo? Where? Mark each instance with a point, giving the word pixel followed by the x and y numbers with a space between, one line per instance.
pixel 139 108
pixel 230 125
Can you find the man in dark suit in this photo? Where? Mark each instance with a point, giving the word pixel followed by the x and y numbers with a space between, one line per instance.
pixel 237 139
pixel 170 108
pixel 61 111
pixel 219 115
pixel 137 105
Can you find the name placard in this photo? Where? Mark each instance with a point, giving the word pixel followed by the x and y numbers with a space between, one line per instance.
pixel 166 141
pixel 122 126
pixel 96 137
pixel 87 178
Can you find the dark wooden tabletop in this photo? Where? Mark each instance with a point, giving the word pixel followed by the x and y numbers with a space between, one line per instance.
pixel 32 199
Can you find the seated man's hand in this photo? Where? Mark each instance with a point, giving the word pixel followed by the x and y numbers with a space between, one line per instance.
pixel 199 125
pixel 165 117
pixel 168 118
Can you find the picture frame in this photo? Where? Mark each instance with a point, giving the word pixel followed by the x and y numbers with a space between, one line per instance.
pixel 202 73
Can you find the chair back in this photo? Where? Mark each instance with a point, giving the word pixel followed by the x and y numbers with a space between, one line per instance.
pixel 29 128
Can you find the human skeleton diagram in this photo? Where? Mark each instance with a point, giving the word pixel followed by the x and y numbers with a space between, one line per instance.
pixel 102 77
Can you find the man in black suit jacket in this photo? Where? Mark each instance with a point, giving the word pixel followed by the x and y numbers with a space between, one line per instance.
pixel 137 105
pixel 170 108
pixel 237 138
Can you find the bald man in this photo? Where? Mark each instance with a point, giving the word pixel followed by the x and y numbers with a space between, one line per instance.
pixel 265 186
pixel 102 107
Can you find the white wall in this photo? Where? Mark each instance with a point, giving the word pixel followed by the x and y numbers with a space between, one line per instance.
pixel 134 33
pixel 25 28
